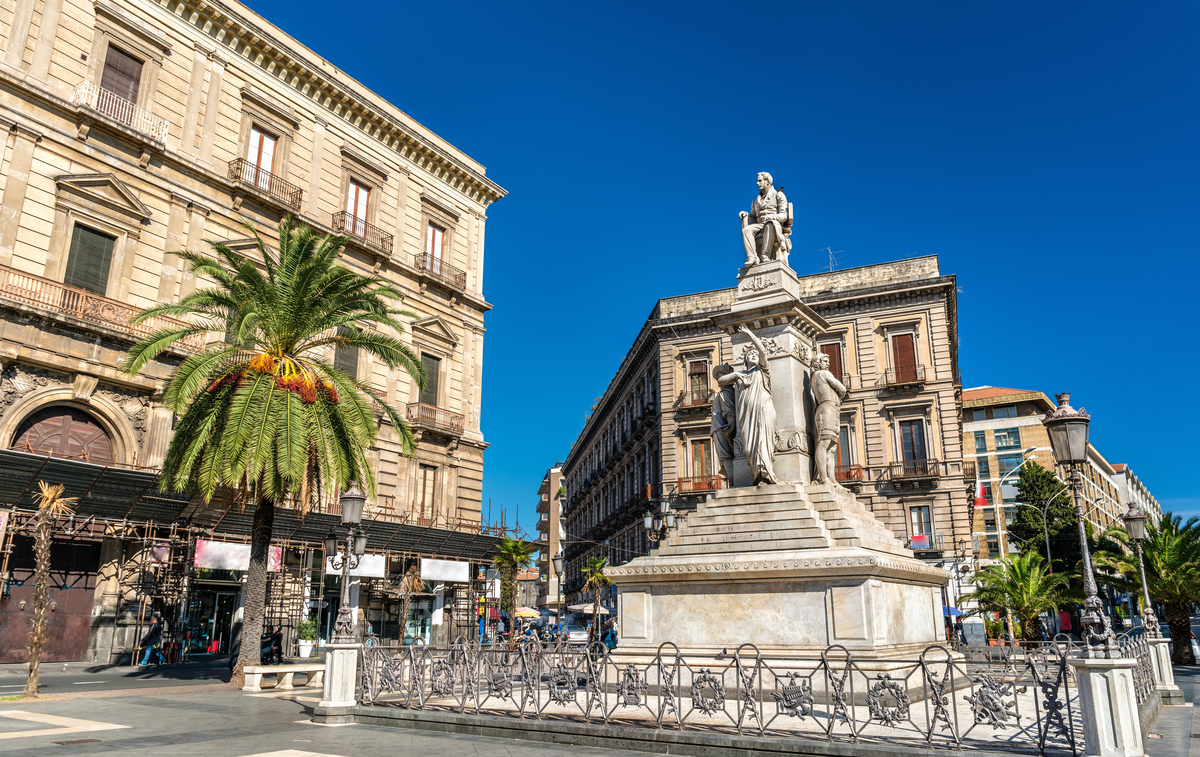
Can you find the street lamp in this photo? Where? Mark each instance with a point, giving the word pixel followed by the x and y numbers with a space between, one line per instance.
pixel 559 561
pixel 354 547
pixel 1068 430
pixel 1135 526
pixel 659 524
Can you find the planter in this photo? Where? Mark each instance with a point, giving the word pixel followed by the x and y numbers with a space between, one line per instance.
pixel 306 646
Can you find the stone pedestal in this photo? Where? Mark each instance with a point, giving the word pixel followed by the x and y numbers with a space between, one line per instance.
pixel 1111 726
pixel 790 568
pixel 1164 674
pixel 341 674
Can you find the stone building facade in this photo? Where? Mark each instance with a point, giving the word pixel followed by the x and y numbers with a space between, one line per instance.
pixel 549 536
pixel 894 343
pixel 136 128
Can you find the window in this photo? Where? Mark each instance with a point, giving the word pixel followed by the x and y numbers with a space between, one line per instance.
pixel 356 207
pixel 987 493
pixel 89 260
pixel 435 241
pixel 261 158
pixel 844 448
pixel 1009 514
pixel 346 358
pixel 912 440
pixel 834 351
pixel 904 357
pixel 701 458
pixel 980 441
pixel 1008 438
pixel 122 75
pixel 697 381
pixel 433 367
pixel 1009 411
pixel 425 487
pixel 993 548
pixel 985 468
pixel 1008 463
pixel 979 415
pixel 919 520
pixel 989 521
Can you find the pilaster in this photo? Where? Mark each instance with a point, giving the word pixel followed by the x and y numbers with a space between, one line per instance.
pixel 1111 726
pixel 341 669
pixel 13 199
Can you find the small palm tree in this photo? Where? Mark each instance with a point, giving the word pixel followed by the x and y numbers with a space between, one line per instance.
pixel 594 580
pixel 1023 586
pixel 410 584
pixel 266 413
pixel 512 557
pixel 51 506
pixel 1172 557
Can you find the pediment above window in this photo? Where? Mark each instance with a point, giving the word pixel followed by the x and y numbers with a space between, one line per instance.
pixel 104 190
pixel 435 327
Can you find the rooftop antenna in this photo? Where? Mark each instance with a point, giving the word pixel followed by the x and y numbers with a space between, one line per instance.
pixel 833 258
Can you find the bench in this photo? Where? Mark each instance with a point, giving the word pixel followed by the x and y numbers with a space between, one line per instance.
pixel 284 674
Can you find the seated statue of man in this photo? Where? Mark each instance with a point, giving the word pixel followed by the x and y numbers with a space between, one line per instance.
pixel 766 228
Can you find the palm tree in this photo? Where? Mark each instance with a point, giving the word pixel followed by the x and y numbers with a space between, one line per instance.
pixel 1023 586
pixel 51 506
pixel 594 580
pixel 512 557
pixel 410 584
pixel 266 413
pixel 1172 557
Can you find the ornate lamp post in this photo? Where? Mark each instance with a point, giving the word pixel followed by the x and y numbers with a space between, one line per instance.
pixel 1068 429
pixel 354 547
pixel 659 524
pixel 559 561
pixel 1135 526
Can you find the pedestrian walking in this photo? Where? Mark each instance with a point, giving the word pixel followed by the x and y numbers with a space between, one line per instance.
pixel 152 641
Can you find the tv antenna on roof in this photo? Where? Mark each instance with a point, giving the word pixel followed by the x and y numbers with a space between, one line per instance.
pixel 833 258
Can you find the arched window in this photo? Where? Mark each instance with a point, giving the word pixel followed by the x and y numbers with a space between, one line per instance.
pixel 65 432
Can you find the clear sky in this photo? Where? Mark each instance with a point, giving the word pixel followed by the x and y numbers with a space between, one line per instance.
pixel 1046 152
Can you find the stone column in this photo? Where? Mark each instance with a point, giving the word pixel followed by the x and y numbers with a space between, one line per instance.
pixel 197 217
pixel 18 34
pixel 1111 726
pixel 1164 674
pixel 401 214
pixel 187 144
pixel 341 675
pixel 212 103
pixel 104 602
pixel 314 172
pixel 13 199
pixel 47 30
pixel 176 221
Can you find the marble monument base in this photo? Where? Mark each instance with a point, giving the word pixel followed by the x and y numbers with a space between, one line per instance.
pixel 792 569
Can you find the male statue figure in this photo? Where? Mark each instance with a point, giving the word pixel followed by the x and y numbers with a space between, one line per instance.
pixel 724 423
pixel 828 393
pixel 766 228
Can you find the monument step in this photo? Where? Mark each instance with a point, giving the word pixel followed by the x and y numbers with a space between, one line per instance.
pixel 742 547
pixel 777 529
pixel 792 506
pixel 766 516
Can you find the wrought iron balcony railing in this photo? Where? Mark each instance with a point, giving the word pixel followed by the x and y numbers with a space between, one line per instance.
pixel 441 270
pixel 259 179
pixel 87 306
pixel 697 484
pixel 435 418
pixel 372 237
pixel 969 471
pixel 697 399
pixel 925 543
pixel 849 473
pixel 127 113
pixel 903 376
pixel 907 469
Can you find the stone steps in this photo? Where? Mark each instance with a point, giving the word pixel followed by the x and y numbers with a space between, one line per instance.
pixel 743 547
pixel 774 508
pixel 807 531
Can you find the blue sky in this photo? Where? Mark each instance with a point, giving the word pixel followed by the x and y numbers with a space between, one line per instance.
pixel 1046 152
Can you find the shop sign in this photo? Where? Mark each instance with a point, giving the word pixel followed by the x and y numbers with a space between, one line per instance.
pixel 450 571
pixel 220 555
pixel 369 566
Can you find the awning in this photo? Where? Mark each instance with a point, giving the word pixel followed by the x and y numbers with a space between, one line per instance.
pixel 947 610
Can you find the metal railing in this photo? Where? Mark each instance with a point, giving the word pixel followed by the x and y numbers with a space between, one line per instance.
pixel 969 471
pixel 117 108
pixel 904 376
pixel 934 699
pixel 925 542
pixel 1136 647
pixel 435 418
pixel 372 237
pixel 261 180
pixel 454 277
pixel 849 473
pixel 87 306
pixel 694 484
pixel 902 469
pixel 696 399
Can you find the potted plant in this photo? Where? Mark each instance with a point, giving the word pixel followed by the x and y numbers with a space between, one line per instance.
pixel 306 635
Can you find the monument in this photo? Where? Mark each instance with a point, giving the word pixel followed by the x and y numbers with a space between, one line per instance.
pixel 784 558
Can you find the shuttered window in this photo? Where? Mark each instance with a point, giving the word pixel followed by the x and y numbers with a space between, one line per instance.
pixel 834 351
pixel 89 260
pixel 433 366
pixel 904 357
pixel 346 358
pixel 912 440
pixel 122 74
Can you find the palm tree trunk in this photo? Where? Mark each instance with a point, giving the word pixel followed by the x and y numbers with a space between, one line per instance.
pixel 1181 633
pixel 256 589
pixel 1032 628
pixel 41 592
pixel 596 616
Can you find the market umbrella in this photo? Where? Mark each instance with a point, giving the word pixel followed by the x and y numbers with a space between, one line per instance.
pixel 587 609
pixel 951 610
pixel 526 612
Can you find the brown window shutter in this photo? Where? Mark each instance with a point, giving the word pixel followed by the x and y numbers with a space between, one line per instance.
pixel 346 358
pixel 904 357
pixel 834 351
pixel 122 74
pixel 429 392
pixel 89 260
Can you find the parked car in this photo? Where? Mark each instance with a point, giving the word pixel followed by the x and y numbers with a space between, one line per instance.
pixel 574 634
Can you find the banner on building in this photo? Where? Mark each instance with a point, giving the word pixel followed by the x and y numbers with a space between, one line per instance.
pixel 450 571
pixel 369 566
pixel 220 555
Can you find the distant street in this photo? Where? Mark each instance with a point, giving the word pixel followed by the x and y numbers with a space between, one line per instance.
pixel 79 677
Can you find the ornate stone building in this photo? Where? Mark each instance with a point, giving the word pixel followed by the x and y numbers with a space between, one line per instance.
pixel 136 128
pixel 549 538
pixel 893 341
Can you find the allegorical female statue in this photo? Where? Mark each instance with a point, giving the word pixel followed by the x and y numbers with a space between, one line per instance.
pixel 755 411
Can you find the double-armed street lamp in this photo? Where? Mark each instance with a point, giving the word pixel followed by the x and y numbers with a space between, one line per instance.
pixel 1068 430
pixel 661 523
pixel 1135 526
pixel 354 546
pixel 560 561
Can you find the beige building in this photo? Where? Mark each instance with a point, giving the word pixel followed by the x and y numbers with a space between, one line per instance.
pixel 549 539
pixel 136 128
pixel 894 343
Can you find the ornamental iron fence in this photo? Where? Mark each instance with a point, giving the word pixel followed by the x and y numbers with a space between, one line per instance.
pixel 935 700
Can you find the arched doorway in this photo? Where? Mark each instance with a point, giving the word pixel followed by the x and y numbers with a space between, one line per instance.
pixel 66 432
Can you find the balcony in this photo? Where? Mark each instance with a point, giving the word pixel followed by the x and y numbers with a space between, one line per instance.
pixel 371 238
pixel 899 378
pixel 434 418
pixel 925 543
pixel 702 398
pixel 850 476
pixel 441 271
pixel 116 108
pixel 699 484
pixel 914 471
pixel 86 306
pixel 969 472
pixel 265 185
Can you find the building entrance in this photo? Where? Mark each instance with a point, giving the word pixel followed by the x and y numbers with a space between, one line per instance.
pixel 210 621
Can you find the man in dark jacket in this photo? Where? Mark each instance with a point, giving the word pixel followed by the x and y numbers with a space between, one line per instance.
pixel 152 641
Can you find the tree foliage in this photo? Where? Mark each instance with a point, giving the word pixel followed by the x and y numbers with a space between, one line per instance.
pixel 1037 486
pixel 512 557
pixel 52 505
pixel 594 580
pixel 1022 585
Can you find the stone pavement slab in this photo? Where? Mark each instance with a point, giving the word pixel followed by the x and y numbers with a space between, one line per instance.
pixel 1177 725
